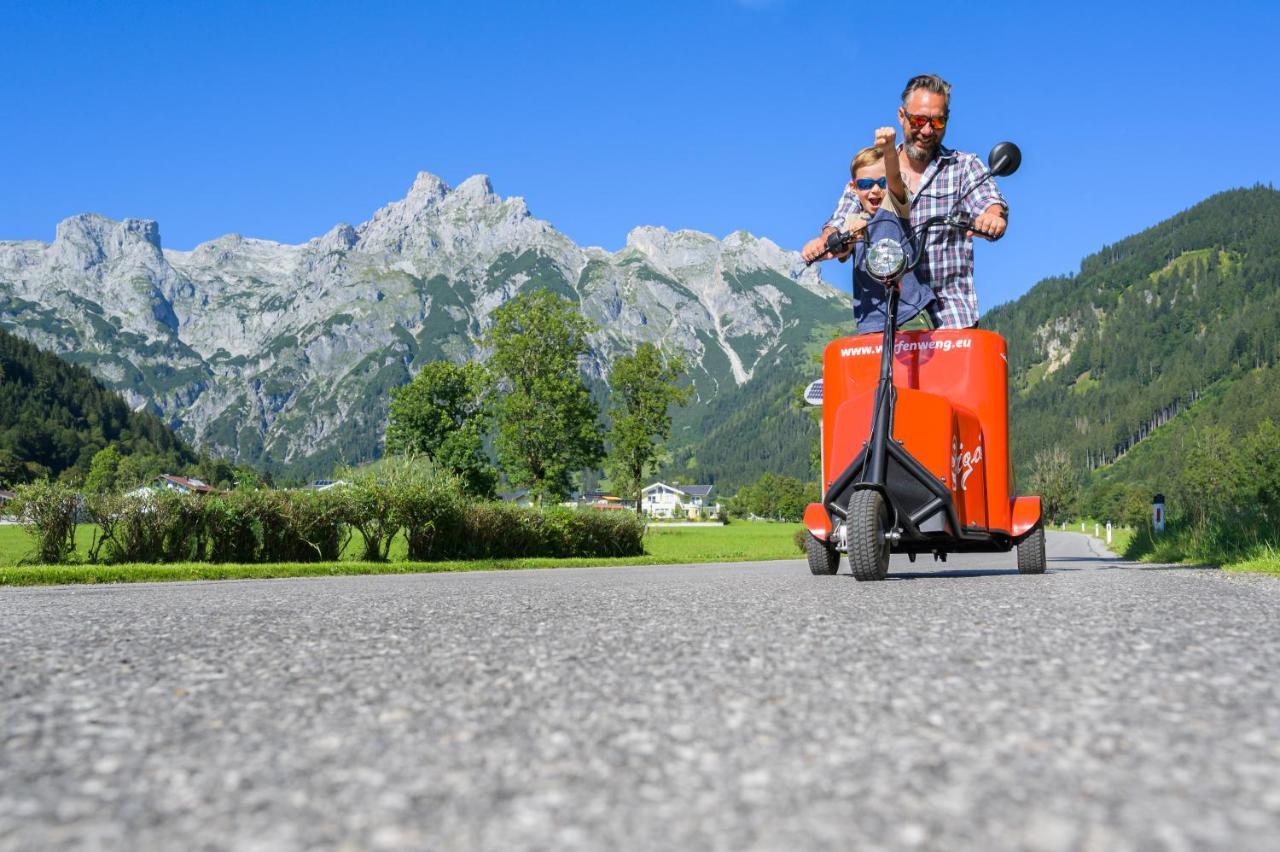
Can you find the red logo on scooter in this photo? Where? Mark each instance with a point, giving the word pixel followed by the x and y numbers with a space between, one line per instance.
pixel 962 463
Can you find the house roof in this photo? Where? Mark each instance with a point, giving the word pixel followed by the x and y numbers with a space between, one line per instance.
pixel 323 484
pixel 687 490
pixel 7 495
pixel 189 484
pixel 512 496
pixel 596 495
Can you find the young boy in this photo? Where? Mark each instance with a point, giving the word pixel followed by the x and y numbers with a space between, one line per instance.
pixel 886 212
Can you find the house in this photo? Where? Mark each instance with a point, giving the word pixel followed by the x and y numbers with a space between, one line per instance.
pixel 678 501
pixel 597 500
pixel 182 485
pixel 520 498
pixel 324 485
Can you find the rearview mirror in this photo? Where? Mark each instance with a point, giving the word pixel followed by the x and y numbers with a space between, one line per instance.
pixel 1004 159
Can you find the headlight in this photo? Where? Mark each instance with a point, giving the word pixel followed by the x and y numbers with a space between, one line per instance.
pixel 885 259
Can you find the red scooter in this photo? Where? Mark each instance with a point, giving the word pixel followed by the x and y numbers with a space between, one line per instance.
pixel 915 431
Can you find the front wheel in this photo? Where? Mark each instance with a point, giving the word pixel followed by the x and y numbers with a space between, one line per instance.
pixel 868 540
pixel 823 558
pixel 1031 558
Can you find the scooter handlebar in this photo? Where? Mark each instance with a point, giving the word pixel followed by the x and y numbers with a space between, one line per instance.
pixel 837 243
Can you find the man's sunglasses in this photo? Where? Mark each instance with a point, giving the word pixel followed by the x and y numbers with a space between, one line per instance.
pixel 866 183
pixel 917 121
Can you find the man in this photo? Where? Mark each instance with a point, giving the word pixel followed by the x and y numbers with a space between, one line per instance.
pixel 936 177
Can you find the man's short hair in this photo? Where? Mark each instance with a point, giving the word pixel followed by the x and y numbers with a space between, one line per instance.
pixel 930 83
pixel 865 157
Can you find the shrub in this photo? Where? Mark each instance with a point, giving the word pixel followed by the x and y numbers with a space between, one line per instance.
pixel 231 523
pixel 180 524
pixel 490 530
pixel 279 540
pixel 48 513
pixel 504 531
pixel 588 532
pixel 135 538
pixel 316 521
pixel 371 511
pixel 104 510
pixel 801 538
pixel 428 507
pixel 157 527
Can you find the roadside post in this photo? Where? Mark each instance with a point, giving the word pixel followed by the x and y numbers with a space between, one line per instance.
pixel 1108 532
pixel 1157 513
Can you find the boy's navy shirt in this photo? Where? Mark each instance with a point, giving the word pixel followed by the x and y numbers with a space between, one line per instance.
pixel 869 296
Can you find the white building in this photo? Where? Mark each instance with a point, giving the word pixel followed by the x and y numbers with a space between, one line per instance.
pixel 660 500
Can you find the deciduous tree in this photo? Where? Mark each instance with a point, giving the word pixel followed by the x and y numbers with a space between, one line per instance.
pixel 779 498
pixel 102 471
pixel 1056 481
pixel 548 424
pixel 442 414
pixel 643 390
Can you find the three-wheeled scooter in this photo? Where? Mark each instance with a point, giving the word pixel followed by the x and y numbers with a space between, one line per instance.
pixel 915 431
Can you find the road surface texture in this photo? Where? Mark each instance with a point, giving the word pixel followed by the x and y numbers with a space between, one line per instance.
pixel 1101 706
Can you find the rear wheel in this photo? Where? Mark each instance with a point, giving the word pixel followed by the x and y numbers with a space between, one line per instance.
pixel 868 543
pixel 1031 558
pixel 823 558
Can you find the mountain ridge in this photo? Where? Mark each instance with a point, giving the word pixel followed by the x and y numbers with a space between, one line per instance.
pixel 1101 360
pixel 283 355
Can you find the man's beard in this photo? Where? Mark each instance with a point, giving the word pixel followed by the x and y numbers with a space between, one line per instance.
pixel 922 150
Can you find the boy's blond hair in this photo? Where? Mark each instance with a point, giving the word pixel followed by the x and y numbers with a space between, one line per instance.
pixel 865 157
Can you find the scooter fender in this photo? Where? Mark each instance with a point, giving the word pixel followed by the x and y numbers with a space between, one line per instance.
pixel 1026 513
pixel 817 521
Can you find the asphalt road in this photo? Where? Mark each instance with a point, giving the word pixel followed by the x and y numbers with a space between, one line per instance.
pixel 1101 706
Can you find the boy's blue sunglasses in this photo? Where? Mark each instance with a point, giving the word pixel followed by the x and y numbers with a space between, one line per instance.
pixel 866 183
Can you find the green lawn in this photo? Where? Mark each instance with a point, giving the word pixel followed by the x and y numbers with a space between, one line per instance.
pixel 738 542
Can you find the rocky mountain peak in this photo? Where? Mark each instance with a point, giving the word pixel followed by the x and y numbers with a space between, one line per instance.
pixel 339 238
pixel 427 189
pixel 475 191
pixel 90 238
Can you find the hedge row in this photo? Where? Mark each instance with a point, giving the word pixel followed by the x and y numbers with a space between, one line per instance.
pixel 437 521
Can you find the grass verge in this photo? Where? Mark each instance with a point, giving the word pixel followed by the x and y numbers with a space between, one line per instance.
pixel 1266 563
pixel 738 542
pixel 1230 550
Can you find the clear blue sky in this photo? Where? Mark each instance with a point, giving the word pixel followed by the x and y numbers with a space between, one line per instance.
pixel 279 120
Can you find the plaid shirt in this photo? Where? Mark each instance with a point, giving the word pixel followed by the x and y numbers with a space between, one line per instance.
pixel 948 253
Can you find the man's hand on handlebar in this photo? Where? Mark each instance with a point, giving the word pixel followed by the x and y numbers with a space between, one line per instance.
pixel 991 223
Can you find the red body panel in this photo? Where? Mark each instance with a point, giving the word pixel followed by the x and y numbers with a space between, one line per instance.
pixel 1026 514
pixel 951 415
pixel 817 521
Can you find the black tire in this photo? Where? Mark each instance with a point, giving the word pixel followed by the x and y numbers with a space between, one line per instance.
pixel 1031 558
pixel 823 558
pixel 868 545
